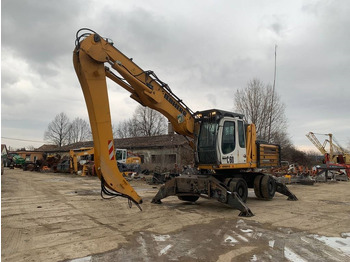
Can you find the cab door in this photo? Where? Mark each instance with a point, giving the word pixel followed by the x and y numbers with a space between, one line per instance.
pixel 241 138
pixel 231 142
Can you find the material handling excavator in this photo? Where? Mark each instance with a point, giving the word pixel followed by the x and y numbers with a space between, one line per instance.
pixel 228 156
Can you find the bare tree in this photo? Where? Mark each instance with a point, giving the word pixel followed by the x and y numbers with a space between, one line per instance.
pixel 145 122
pixel 124 129
pixel 128 128
pixel 293 155
pixel 79 130
pixel 259 105
pixel 115 131
pixel 58 130
pixel 121 130
pixel 149 122
pixel 30 148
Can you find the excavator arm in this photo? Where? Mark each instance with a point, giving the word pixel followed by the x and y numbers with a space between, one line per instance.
pixel 95 58
pixel 90 69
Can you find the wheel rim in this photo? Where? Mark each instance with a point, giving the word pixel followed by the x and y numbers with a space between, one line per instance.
pixel 240 191
pixel 239 186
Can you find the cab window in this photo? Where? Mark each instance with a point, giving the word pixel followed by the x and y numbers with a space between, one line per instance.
pixel 241 134
pixel 228 137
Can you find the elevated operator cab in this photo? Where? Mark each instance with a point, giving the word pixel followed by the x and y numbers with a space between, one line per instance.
pixel 221 138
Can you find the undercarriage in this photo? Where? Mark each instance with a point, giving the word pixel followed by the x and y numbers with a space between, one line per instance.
pixel 230 190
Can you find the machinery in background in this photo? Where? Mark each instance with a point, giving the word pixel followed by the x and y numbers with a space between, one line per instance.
pixel 336 163
pixel 13 160
pixel 82 161
pixel 83 157
pixel 128 163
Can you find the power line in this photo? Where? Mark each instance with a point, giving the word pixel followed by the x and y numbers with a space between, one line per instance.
pixel 19 139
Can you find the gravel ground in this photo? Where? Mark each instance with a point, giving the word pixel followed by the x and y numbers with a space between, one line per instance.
pixel 61 217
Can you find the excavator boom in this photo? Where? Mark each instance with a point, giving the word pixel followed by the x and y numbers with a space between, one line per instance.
pixel 144 86
pixel 89 58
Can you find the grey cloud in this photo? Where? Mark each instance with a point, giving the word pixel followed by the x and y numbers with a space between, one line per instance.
pixel 203 55
pixel 39 31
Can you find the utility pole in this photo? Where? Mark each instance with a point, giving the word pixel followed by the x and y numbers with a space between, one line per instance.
pixel 273 94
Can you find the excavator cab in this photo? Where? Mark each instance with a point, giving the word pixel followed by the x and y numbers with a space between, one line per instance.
pixel 221 138
pixel 121 155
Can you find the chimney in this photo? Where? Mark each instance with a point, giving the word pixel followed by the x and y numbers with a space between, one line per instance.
pixel 170 129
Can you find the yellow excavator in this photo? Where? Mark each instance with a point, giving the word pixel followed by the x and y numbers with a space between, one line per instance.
pixel 228 157
pixel 73 158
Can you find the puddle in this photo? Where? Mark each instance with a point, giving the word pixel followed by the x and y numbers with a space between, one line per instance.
pixel 207 242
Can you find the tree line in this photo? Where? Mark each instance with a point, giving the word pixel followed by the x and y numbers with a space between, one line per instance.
pixel 264 107
pixel 62 131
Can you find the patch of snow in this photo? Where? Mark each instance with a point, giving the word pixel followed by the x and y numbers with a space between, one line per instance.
pixel 250 235
pixel 340 243
pixel 160 238
pixel 231 240
pixel 246 230
pixel 254 258
pixel 240 223
pixel 305 240
pixel 142 241
pixel 165 250
pixel 242 238
pixel 82 259
pixel 272 243
pixel 292 256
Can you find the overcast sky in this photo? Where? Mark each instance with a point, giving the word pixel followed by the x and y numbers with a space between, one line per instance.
pixel 204 50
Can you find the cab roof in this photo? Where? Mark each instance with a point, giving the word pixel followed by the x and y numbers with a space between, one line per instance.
pixel 215 113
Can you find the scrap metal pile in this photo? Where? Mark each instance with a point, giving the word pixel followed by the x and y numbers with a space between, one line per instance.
pixel 295 173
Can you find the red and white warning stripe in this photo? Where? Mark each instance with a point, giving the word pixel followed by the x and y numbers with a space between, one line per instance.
pixel 111 149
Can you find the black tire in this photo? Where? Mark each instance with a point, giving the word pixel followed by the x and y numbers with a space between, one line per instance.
pixel 188 198
pixel 268 187
pixel 257 186
pixel 239 185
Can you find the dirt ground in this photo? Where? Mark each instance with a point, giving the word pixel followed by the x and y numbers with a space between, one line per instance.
pixel 61 217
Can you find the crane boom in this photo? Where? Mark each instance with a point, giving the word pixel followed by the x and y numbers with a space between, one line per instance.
pixel 311 136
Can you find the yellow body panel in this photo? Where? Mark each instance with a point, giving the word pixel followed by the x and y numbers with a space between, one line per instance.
pixel 227 166
pixel 133 160
pixel 269 155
